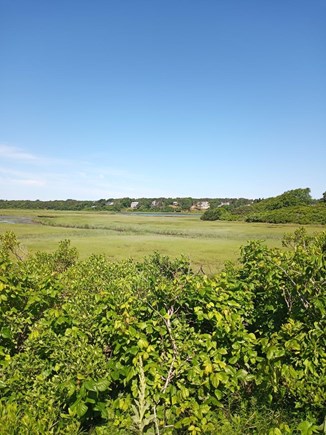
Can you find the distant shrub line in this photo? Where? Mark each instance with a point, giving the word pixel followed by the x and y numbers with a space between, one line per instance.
pixel 295 206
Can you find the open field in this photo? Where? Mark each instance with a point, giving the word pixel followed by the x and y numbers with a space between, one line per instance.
pixel 207 244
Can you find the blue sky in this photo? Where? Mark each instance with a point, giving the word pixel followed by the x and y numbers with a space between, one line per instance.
pixel 202 98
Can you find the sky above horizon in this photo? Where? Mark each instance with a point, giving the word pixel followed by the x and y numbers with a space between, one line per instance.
pixel 156 98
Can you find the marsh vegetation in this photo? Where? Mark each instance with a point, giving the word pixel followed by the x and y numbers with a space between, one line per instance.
pixel 207 244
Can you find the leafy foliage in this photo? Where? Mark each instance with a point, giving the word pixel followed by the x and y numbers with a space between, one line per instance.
pixel 291 198
pixel 215 214
pixel 302 215
pixel 152 348
pixel 120 204
pixel 293 206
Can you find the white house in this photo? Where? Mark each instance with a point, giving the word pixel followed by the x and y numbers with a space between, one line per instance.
pixel 200 205
pixel 203 205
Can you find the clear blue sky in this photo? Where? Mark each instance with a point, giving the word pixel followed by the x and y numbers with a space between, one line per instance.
pixel 202 98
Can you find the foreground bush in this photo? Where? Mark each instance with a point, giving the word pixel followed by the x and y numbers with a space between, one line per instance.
pixel 152 348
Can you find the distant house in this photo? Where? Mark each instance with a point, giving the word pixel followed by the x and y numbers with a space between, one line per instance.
pixel 134 204
pixel 109 203
pixel 204 205
pixel 175 203
pixel 154 203
pixel 223 203
pixel 200 205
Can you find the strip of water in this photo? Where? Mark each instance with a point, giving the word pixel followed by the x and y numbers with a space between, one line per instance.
pixel 15 220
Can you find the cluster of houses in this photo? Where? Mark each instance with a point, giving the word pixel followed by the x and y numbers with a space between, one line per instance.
pixel 202 205
pixel 168 204
pixel 199 205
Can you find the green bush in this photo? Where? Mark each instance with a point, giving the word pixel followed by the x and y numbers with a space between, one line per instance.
pixel 152 348
pixel 217 214
pixel 314 214
pixel 291 198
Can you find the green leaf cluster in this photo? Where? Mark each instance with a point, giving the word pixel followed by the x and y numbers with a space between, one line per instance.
pixel 152 348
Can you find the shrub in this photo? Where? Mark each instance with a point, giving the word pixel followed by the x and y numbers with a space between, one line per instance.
pixel 216 214
pixel 151 347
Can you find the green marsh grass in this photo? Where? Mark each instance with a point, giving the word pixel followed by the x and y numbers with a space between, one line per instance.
pixel 207 244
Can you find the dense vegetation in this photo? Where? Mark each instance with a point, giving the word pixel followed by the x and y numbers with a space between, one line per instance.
pixel 215 214
pixel 301 215
pixel 293 206
pixel 152 348
pixel 123 204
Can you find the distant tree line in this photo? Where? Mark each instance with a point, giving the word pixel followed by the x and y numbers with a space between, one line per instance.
pixel 292 206
pixel 68 204
pixel 124 204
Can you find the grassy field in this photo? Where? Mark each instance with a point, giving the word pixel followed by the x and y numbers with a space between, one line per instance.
pixel 206 244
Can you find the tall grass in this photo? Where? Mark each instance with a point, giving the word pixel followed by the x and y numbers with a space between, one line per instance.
pixel 207 244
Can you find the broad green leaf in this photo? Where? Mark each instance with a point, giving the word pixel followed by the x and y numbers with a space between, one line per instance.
pixel 79 408
pixel 6 333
